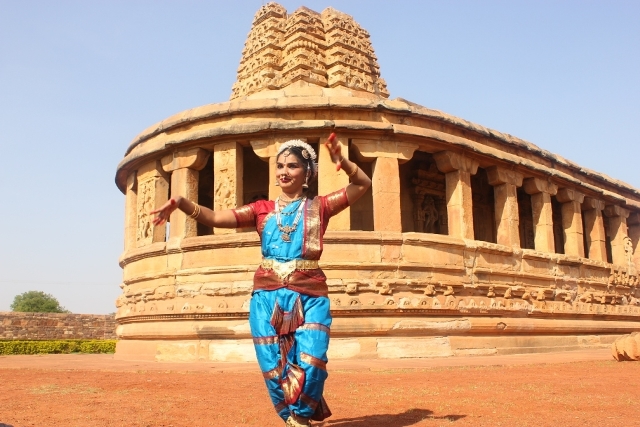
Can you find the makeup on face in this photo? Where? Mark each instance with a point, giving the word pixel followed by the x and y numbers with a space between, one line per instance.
pixel 288 169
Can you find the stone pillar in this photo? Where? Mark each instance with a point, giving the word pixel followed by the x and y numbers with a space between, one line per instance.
pixel 385 189
pixel 458 170
pixel 505 183
pixel 541 192
pixel 572 221
pixel 385 182
pixel 594 228
pixel 617 217
pixel 634 234
pixel 184 167
pixel 267 150
pixel 153 192
pixel 330 180
pixel 130 212
pixel 227 179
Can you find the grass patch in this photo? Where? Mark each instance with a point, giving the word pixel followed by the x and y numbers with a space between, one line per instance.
pixel 57 347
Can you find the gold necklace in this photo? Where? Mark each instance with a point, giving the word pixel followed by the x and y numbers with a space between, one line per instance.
pixel 286 230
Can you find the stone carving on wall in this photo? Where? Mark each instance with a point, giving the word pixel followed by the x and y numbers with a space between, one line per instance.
pixel 429 204
pixel 225 185
pixel 146 194
pixel 328 50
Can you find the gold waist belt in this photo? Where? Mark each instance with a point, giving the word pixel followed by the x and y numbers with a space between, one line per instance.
pixel 284 269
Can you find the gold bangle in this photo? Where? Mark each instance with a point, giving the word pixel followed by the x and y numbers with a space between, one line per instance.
pixel 354 172
pixel 196 211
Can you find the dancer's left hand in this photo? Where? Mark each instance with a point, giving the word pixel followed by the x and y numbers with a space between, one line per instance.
pixel 335 150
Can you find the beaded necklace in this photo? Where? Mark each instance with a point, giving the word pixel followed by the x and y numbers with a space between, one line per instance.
pixel 286 230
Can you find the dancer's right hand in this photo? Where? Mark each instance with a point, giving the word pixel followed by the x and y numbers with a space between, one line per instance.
pixel 163 213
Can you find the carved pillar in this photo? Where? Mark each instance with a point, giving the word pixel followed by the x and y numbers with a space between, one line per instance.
pixel 385 182
pixel 130 212
pixel 153 192
pixel 572 221
pixel 634 234
pixel 541 192
pixel 458 170
pixel 594 228
pixel 227 179
pixel 330 180
pixel 184 167
pixel 505 183
pixel 617 217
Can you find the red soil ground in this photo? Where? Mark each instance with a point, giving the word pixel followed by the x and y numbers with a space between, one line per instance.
pixel 569 389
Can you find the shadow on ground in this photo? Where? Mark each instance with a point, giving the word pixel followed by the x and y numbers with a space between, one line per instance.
pixel 405 419
pixel 5 425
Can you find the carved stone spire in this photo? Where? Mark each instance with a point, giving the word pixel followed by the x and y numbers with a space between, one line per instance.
pixel 327 50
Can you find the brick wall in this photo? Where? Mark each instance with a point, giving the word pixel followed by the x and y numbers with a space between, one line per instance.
pixel 52 326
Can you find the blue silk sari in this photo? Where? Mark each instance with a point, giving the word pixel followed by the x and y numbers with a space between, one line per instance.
pixel 291 330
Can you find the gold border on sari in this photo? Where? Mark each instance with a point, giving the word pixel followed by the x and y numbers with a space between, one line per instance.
pixel 313 361
pixel 272 374
pixel 311 403
pixel 312 224
pixel 292 383
pixel 265 340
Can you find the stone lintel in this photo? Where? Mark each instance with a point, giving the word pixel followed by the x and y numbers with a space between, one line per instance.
pixel 499 175
pixel 448 161
pixel 590 203
pixel 613 211
pixel 373 149
pixel 194 158
pixel 566 195
pixel 538 185
pixel 266 148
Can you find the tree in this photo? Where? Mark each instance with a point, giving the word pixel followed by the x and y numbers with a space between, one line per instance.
pixel 37 302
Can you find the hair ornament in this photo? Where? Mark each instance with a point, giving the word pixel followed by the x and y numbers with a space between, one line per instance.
pixel 300 144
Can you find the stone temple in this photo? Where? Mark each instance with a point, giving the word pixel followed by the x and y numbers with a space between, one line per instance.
pixel 470 241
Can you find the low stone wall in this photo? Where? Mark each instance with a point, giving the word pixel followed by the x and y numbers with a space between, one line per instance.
pixel 55 326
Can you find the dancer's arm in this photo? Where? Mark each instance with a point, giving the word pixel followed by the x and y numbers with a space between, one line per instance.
pixel 206 216
pixel 360 182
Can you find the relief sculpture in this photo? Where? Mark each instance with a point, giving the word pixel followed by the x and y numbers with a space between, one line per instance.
pixel 145 205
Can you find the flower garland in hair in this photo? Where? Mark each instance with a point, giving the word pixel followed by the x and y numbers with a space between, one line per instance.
pixel 307 152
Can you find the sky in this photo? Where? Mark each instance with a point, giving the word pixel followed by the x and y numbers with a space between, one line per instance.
pixel 80 79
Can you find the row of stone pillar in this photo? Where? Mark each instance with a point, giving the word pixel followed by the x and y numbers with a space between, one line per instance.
pixel 148 188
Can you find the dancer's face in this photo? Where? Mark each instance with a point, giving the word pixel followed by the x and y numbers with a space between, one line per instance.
pixel 290 173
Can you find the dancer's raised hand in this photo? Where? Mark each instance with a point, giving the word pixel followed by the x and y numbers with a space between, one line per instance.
pixel 335 150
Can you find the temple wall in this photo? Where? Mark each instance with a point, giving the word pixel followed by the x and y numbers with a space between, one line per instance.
pixel 56 326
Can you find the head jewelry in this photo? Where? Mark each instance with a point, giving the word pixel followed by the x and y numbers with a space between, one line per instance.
pixel 307 152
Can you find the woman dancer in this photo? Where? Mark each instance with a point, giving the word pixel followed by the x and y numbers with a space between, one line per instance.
pixel 289 312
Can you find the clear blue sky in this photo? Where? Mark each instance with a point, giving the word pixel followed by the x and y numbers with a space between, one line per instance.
pixel 79 79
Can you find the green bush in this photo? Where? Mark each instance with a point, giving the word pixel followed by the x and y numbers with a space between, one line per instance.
pixel 57 347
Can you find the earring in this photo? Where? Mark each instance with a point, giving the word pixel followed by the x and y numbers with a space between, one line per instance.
pixel 306 185
pixel 277 184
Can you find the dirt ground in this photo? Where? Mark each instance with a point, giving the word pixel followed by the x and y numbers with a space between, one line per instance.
pixel 569 389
